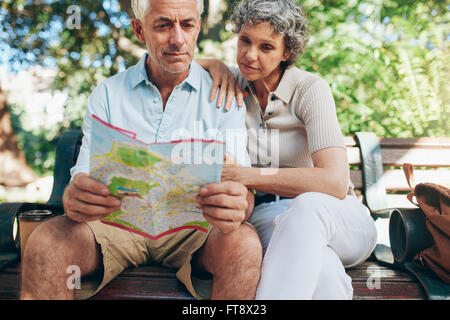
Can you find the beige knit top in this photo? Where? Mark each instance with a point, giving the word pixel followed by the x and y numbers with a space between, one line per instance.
pixel 300 119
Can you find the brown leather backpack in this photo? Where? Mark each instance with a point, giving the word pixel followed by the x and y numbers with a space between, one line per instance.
pixel 434 200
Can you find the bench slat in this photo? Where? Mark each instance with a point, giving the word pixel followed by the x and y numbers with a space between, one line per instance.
pixel 353 155
pixel 395 180
pixel 408 143
pixel 9 286
pixel 399 201
pixel 143 288
pixel 124 288
pixel 370 268
pixel 150 271
pixel 429 157
pixel 388 291
pixel 395 284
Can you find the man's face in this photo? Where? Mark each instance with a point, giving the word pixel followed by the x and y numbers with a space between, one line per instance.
pixel 170 32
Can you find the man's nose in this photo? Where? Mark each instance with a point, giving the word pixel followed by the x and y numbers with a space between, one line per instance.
pixel 176 36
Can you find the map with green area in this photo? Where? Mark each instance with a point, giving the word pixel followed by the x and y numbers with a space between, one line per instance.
pixel 136 157
pixel 120 185
pixel 158 194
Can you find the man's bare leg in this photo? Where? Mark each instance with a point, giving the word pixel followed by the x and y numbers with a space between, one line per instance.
pixel 51 249
pixel 234 260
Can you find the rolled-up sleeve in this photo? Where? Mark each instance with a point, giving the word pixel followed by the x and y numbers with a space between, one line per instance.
pixel 318 111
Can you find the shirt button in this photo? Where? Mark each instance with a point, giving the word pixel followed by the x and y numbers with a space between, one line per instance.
pixel 273 98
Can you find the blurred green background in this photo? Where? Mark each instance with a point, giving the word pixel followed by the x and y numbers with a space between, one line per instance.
pixel 387 62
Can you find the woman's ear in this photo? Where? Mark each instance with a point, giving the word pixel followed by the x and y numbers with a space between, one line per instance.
pixel 286 55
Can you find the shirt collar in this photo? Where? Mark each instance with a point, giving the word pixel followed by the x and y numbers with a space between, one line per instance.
pixel 287 85
pixel 285 88
pixel 194 76
pixel 139 73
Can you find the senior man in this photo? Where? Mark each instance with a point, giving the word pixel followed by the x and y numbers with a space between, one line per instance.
pixel 165 92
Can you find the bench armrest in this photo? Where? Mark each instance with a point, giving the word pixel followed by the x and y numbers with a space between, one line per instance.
pixel 66 155
pixel 372 168
pixel 67 152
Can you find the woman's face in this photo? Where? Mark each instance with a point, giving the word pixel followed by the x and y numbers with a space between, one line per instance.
pixel 260 51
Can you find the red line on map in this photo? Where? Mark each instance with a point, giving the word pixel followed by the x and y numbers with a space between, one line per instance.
pixel 146 235
pixel 124 132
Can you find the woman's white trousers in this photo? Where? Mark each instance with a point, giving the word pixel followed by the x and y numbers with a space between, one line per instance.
pixel 308 243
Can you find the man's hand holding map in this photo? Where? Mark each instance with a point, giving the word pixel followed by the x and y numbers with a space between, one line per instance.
pixel 158 183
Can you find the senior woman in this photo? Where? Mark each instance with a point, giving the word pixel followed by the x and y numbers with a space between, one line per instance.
pixel 310 222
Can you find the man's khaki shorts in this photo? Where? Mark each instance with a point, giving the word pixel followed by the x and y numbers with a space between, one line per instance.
pixel 122 249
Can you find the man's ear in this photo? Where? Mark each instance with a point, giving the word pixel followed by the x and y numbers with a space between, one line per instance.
pixel 138 29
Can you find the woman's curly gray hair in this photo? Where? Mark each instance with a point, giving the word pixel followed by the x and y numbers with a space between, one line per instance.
pixel 285 16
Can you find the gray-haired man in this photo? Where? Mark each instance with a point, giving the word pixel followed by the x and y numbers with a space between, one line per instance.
pixel 166 90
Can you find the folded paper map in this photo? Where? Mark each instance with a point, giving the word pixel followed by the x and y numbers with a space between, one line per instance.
pixel 158 182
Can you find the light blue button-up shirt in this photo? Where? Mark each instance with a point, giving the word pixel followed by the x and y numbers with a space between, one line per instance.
pixel 130 101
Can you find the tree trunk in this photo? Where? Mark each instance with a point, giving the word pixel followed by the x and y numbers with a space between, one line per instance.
pixel 14 171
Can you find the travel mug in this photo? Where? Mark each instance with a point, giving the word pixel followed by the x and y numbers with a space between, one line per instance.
pixel 28 221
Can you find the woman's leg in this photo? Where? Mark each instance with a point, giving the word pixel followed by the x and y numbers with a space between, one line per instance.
pixel 292 266
pixel 333 282
pixel 263 217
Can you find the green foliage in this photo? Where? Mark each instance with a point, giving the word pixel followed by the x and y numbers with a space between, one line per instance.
pixel 38 34
pixel 40 145
pixel 387 63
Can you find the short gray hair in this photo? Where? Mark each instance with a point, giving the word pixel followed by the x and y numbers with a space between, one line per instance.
pixel 142 7
pixel 285 16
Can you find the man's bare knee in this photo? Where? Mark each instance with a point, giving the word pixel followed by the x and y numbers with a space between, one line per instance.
pixel 240 248
pixel 234 259
pixel 61 241
pixel 53 249
pixel 244 241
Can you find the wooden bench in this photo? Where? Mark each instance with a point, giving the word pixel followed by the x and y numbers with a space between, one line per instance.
pixel 378 179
